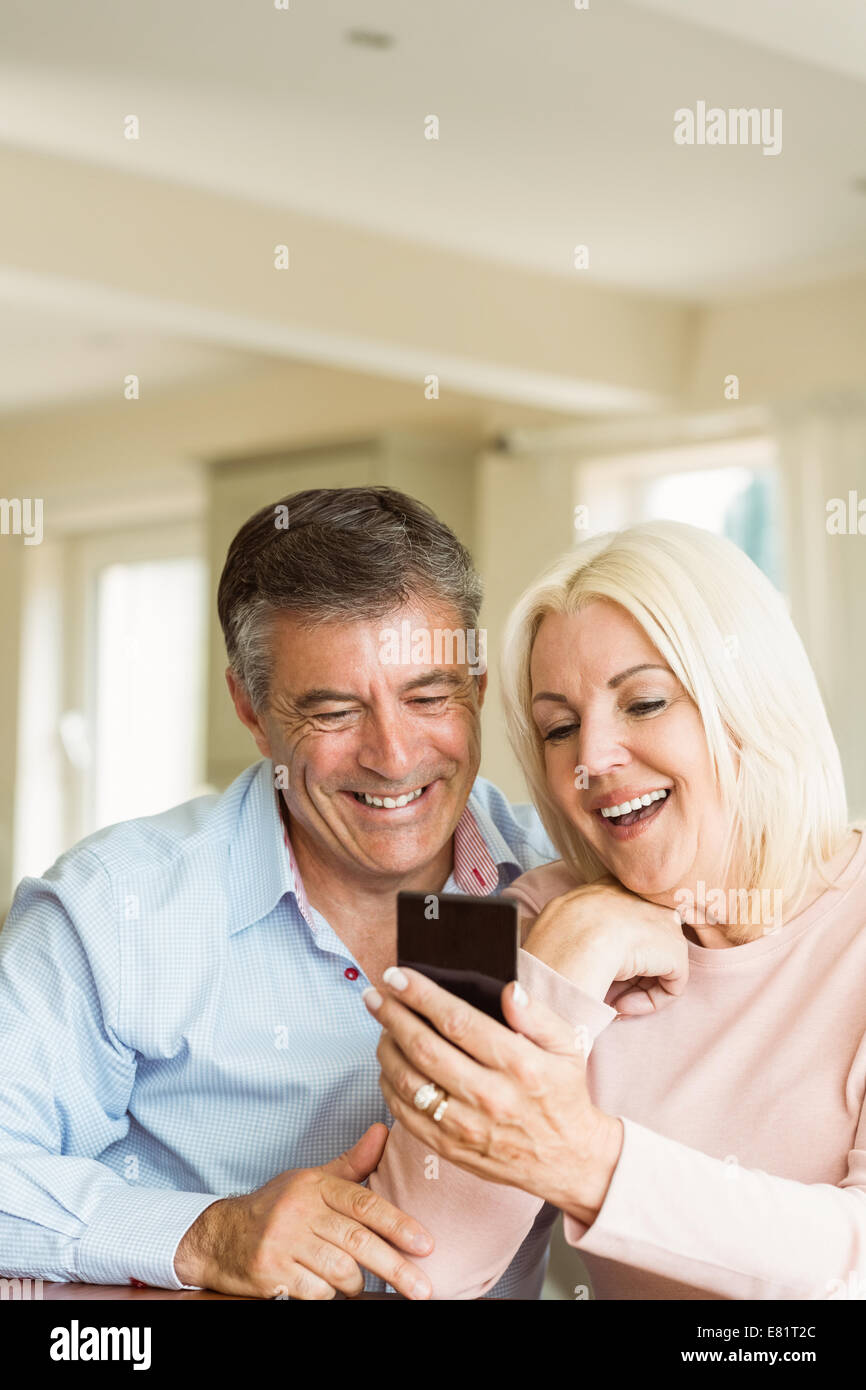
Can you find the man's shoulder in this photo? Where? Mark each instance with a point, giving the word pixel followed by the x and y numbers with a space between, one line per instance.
pixel 189 836
pixel 517 822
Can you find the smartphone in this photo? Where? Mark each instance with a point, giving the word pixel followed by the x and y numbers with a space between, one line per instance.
pixel 467 945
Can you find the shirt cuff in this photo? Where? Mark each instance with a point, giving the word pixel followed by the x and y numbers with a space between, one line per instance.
pixel 566 999
pixel 135 1234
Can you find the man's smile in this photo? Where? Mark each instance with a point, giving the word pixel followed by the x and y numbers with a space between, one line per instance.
pixel 391 802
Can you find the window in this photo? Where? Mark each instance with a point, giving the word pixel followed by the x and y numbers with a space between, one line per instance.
pixel 730 488
pixel 112 684
pixel 148 696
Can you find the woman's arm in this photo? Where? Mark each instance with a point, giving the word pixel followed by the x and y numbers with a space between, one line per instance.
pixel 737 1232
pixel 478 1225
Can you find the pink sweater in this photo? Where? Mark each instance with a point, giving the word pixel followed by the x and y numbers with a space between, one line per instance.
pixel 743 1168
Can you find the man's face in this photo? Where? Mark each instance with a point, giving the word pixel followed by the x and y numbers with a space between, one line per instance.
pixel 350 725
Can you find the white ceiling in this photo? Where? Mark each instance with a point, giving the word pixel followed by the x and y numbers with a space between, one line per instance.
pixel 556 124
pixel 58 357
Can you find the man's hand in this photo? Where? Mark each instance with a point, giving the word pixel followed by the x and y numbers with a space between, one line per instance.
pixel 307 1233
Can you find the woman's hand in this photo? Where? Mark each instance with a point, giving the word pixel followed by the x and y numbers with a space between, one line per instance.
pixel 518 1111
pixel 600 933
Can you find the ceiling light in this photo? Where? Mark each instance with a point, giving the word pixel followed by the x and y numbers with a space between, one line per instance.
pixel 369 38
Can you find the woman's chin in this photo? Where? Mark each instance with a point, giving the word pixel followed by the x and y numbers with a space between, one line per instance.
pixel 649 883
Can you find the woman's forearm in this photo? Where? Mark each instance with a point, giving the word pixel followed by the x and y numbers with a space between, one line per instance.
pixel 736 1232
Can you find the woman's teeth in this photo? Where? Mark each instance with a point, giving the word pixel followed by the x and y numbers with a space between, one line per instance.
pixel 635 804
pixel 389 803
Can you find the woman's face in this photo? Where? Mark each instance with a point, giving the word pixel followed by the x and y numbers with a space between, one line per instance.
pixel 618 726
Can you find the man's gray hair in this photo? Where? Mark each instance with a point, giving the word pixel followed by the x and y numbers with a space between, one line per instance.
pixel 335 554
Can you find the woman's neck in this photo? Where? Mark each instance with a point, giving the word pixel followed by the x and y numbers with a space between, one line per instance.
pixel 712 935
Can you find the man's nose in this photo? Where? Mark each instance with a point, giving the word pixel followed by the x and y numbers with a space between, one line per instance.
pixel 387 746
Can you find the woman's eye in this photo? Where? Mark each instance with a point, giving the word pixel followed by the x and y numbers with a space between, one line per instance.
pixel 646 706
pixel 562 731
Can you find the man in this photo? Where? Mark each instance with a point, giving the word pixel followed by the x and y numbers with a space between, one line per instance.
pixel 188 1077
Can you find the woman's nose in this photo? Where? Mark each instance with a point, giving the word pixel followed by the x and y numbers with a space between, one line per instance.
pixel 600 749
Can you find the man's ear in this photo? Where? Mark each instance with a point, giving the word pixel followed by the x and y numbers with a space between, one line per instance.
pixel 245 712
pixel 482 687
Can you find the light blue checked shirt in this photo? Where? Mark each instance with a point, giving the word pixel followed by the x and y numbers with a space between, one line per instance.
pixel 178 1024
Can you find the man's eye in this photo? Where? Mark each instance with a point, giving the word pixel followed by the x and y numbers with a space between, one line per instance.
pixel 562 731
pixel 430 700
pixel 334 715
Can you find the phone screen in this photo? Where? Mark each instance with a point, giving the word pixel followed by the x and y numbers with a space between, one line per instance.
pixel 467 945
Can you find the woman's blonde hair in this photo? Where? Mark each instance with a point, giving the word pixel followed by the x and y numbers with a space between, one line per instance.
pixel 726 634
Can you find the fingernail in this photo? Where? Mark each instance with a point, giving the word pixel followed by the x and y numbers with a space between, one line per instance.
pixel 372 998
pixel 422 1245
pixel 421 1289
pixel 519 995
pixel 394 977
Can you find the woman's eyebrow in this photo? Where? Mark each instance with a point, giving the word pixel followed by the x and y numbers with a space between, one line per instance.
pixel 632 670
pixel 611 685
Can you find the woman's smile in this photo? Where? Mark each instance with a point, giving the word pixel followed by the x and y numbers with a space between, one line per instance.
pixel 630 816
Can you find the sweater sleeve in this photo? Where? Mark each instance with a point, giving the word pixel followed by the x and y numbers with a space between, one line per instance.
pixel 478 1226
pixel 737 1232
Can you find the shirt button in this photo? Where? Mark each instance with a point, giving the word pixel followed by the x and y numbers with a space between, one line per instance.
pixel 350 973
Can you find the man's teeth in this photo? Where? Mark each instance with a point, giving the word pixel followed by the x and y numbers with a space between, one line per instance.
pixel 635 804
pixel 390 803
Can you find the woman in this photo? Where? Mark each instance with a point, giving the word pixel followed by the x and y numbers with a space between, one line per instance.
pixel 710 900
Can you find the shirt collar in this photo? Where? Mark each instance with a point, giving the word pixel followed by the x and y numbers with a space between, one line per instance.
pixel 476 870
pixel 261 870
pixel 480 852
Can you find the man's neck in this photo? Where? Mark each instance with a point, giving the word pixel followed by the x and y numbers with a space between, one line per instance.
pixel 355 902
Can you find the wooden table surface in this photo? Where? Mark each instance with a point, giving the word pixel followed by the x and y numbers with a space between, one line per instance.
pixel 125 1292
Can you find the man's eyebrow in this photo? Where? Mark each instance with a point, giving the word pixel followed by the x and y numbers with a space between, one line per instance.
pixel 322 695
pixel 611 685
pixel 439 676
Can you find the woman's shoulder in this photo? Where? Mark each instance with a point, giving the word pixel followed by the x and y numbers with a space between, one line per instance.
pixel 538 886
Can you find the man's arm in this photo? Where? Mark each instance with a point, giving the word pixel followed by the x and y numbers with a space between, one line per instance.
pixel 66 1078
pixel 65 1084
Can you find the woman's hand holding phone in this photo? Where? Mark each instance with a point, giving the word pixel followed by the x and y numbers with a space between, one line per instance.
pixel 600 933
